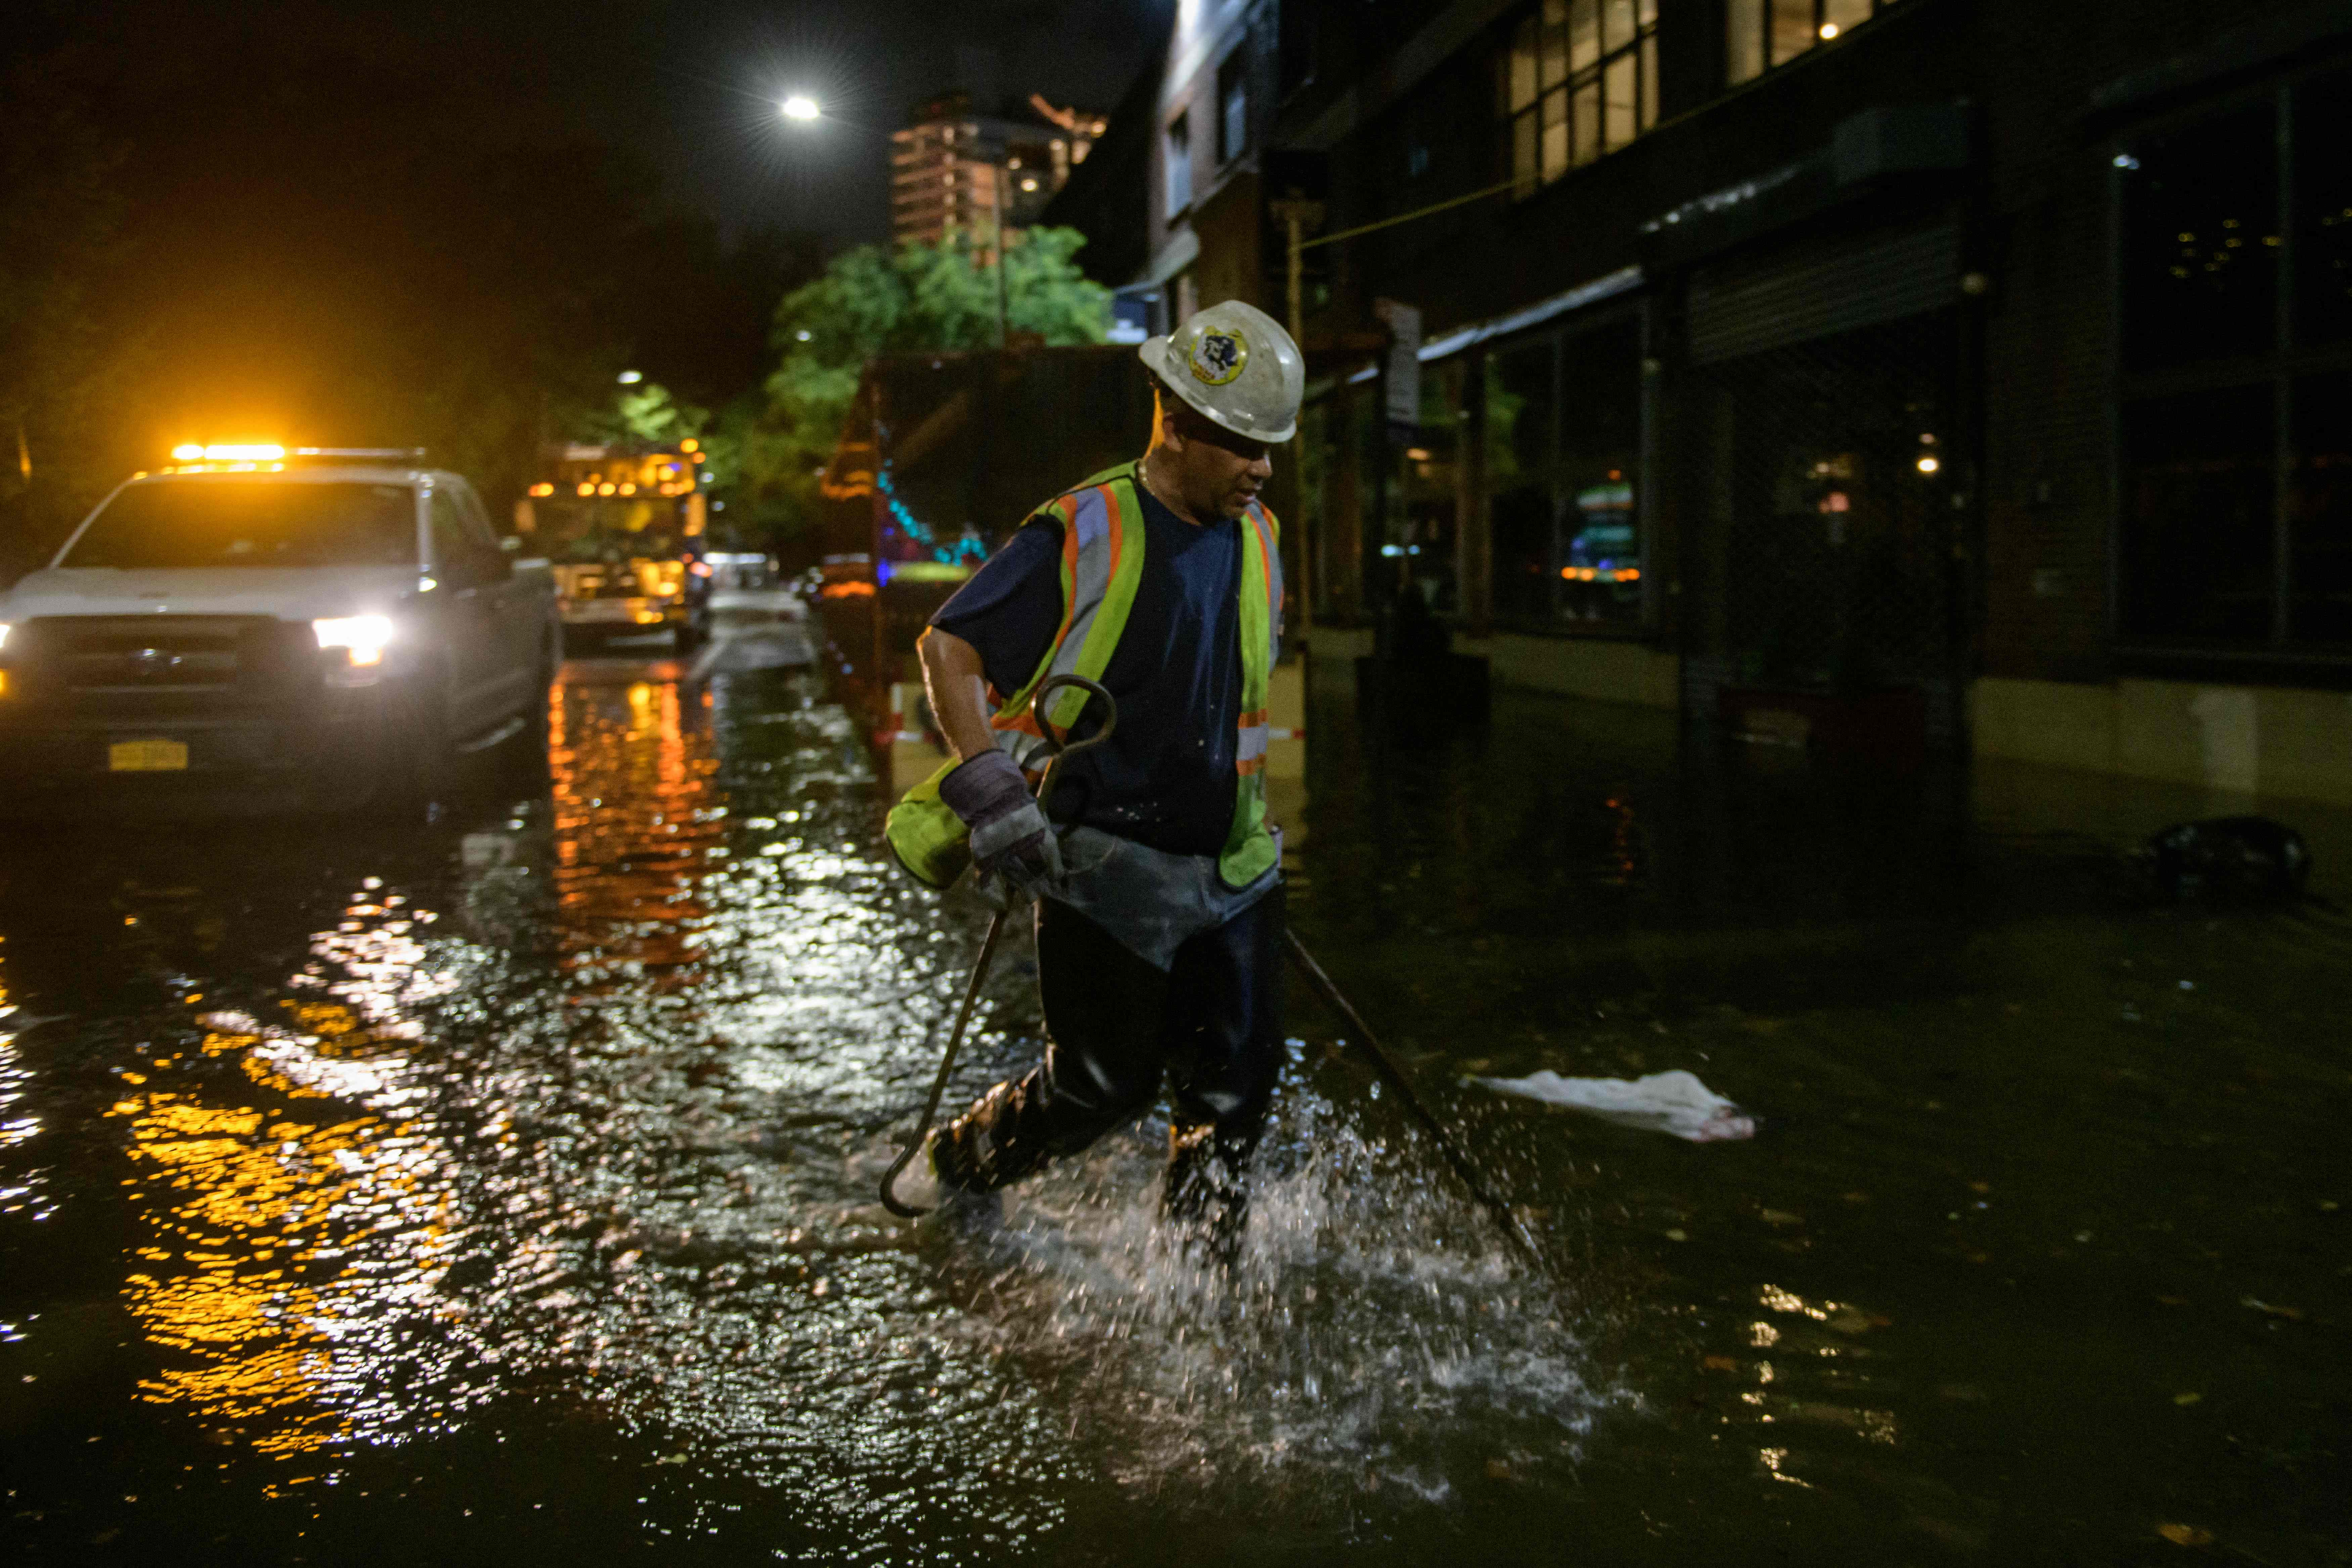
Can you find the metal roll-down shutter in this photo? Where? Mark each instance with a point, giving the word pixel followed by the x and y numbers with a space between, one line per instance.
pixel 1744 308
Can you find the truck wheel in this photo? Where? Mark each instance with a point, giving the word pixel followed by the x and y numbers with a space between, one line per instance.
pixel 526 754
pixel 426 764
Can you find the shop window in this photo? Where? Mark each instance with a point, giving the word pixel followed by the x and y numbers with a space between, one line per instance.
pixel 1341 435
pixel 1179 164
pixel 1422 535
pixel 2236 277
pixel 1761 33
pixel 1233 106
pixel 1578 80
pixel 2200 242
pixel 2321 226
pixel 1522 383
pixel 1563 440
pixel 2198 477
pixel 2319 510
pixel 1599 567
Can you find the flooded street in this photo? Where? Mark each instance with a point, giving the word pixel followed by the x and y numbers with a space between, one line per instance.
pixel 505 1186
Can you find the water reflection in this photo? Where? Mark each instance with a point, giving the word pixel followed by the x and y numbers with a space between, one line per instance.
pixel 632 1165
pixel 294 1240
pixel 532 1154
pixel 639 819
pixel 17 1125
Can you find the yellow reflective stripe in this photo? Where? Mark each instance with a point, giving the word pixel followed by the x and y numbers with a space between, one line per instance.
pixel 1110 560
pixel 1102 566
pixel 1249 851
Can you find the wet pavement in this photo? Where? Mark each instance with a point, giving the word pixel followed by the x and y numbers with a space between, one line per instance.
pixel 502 1187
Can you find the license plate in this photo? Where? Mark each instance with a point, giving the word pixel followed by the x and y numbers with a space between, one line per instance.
pixel 147 756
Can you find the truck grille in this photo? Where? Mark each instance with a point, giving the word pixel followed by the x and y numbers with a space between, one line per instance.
pixel 626 580
pixel 164 653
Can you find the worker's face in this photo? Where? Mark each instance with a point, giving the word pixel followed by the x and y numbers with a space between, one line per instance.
pixel 1219 473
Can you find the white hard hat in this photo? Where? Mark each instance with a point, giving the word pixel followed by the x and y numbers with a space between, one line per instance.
pixel 1236 364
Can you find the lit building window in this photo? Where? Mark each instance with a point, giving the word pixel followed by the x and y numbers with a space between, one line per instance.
pixel 1580 79
pixel 2235 269
pixel 1179 164
pixel 1761 33
pixel 1233 106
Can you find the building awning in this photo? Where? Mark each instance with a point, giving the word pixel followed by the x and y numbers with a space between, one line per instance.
pixel 1535 315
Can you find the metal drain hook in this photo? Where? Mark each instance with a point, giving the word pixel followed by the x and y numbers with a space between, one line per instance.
pixel 1513 1230
pixel 1063 750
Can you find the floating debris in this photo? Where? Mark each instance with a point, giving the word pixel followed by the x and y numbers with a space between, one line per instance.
pixel 1674 1103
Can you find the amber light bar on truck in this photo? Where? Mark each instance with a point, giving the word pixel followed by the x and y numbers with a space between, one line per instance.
pixel 272 452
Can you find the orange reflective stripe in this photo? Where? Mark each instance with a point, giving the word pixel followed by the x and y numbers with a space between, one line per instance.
pixel 1263 531
pixel 1249 765
pixel 1117 527
pixel 1250 721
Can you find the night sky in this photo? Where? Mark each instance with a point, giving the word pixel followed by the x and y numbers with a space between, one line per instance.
pixel 390 221
pixel 705 98
pixel 693 89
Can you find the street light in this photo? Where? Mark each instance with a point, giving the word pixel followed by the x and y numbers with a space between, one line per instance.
pixel 800 105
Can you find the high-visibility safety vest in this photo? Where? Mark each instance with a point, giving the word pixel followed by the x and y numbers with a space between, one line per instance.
pixel 1102 563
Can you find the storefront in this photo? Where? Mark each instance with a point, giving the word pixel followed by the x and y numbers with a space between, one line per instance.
pixel 1826 450
pixel 1513 505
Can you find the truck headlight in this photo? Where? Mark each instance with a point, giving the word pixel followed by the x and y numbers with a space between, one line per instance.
pixel 362 637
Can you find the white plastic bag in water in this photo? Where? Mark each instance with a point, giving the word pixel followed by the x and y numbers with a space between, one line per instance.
pixel 1674 1103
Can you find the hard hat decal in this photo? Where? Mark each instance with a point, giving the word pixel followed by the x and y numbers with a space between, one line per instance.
pixel 1218 354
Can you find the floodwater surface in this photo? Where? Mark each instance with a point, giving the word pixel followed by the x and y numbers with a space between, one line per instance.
pixel 502 1188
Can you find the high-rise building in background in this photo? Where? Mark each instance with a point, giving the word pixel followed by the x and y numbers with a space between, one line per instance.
pixel 954 168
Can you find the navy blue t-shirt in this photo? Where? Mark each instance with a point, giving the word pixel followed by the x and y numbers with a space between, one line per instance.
pixel 1165 778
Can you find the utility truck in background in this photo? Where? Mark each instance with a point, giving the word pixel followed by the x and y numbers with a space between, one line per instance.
pixel 622 526
pixel 315 628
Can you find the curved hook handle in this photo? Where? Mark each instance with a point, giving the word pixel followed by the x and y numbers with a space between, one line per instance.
pixel 1056 745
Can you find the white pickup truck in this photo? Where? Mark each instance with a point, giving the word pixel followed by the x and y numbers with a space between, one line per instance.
pixel 317 629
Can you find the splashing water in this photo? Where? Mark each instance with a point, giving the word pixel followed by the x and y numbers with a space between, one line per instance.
pixel 1372 1333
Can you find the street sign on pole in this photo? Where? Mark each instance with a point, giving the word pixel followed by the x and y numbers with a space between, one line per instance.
pixel 1403 377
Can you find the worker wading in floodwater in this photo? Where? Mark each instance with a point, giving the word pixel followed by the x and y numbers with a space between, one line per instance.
pixel 1157 877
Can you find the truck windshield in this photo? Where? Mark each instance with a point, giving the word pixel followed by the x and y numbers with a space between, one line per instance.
pixel 588 534
pixel 196 524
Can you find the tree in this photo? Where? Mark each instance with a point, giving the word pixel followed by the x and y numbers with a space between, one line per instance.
pixel 919 297
pixel 287 221
pixel 60 214
pixel 649 413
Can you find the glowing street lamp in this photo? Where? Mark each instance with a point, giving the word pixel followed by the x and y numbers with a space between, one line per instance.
pixel 801 106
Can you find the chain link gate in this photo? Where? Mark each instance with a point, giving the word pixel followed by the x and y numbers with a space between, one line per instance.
pixel 1824 564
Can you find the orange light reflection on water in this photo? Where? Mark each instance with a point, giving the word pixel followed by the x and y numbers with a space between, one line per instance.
pixel 275 1239
pixel 637 814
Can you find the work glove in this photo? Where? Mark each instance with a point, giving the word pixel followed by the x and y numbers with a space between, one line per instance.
pixel 1012 842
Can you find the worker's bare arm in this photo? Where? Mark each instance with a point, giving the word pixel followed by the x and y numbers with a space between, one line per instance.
pixel 951 674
